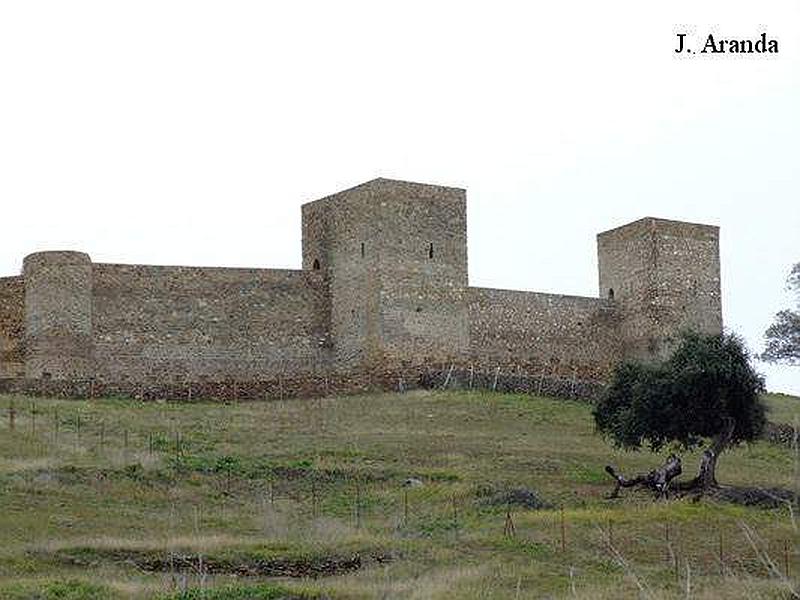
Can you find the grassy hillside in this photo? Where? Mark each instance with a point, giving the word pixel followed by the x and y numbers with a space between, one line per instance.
pixel 306 498
pixel 783 408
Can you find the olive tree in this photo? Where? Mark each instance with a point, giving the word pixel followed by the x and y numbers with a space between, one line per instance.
pixel 783 336
pixel 705 394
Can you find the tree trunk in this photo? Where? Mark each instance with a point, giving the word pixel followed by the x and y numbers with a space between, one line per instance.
pixel 660 479
pixel 707 472
pixel 657 480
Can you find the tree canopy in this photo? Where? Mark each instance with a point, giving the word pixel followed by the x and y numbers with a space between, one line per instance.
pixel 707 388
pixel 783 336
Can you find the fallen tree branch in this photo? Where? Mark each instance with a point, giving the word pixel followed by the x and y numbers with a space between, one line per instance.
pixel 657 480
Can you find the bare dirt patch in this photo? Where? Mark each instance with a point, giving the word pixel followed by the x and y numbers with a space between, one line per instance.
pixel 243 564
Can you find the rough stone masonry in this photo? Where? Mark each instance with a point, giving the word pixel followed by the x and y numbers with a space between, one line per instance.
pixel 382 301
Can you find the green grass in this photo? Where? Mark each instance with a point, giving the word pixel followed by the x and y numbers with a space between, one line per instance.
pixel 58 590
pixel 242 592
pixel 783 408
pixel 305 498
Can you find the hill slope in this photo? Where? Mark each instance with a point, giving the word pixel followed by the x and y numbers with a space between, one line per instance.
pixel 400 496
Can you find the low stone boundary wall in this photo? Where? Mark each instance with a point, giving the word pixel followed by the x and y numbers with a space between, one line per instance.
pixel 513 382
pixel 779 433
pixel 309 386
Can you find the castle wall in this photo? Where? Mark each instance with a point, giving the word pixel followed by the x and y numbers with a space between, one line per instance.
pixel 12 327
pixel 174 324
pixel 383 297
pixel 544 335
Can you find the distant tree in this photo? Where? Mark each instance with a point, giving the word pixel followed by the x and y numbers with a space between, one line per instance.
pixel 706 393
pixel 783 336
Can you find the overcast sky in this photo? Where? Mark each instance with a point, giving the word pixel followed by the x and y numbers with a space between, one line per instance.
pixel 191 132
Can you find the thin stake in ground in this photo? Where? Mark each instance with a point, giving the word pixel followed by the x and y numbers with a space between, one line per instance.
pixel 357 505
pixel 313 497
pixel 509 530
pixel 786 559
pixel 455 515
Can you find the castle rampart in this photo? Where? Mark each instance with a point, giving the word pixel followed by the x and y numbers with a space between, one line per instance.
pixel 562 336
pixel 382 299
pixel 12 327
pixel 182 324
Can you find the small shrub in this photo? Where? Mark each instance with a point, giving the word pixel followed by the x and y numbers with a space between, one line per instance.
pixel 242 592
pixel 60 590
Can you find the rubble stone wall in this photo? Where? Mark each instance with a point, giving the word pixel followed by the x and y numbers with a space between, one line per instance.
pixel 395 256
pixel 58 315
pixel 542 335
pixel 382 300
pixel 12 326
pixel 665 277
pixel 176 324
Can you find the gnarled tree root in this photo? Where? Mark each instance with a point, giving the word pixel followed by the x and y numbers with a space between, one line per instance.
pixel 658 480
pixel 661 482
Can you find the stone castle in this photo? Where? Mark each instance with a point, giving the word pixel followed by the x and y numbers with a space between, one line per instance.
pixel 382 299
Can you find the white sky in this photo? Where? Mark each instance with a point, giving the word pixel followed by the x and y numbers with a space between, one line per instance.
pixel 190 132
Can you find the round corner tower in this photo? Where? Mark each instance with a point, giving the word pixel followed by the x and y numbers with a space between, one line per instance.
pixel 58 315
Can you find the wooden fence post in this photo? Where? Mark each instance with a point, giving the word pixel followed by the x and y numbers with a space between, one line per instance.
pixel 508 527
pixel 357 507
pixel 447 379
pixel 786 566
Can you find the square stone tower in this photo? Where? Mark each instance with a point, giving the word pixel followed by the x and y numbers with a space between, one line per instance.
pixel 58 315
pixel 394 255
pixel 664 277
